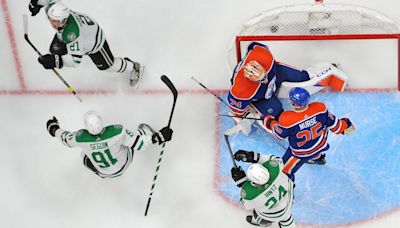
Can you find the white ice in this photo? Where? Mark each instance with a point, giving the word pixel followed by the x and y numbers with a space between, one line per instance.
pixel 44 184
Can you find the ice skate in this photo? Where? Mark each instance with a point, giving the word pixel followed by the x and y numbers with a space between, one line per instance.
pixel 136 73
pixel 319 161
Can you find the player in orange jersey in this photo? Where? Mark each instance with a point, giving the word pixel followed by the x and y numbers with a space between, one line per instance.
pixel 257 78
pixel 306 127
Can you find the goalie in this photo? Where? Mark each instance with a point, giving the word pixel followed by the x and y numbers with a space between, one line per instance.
pixel 78 35
pixel 258 77
pixel 108 151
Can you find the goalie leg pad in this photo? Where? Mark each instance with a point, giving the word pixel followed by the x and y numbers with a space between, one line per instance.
pixel 327 74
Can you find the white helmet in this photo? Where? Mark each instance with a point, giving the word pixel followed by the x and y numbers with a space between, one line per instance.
pixel 258 174
pixel 58 11
pixel 93 122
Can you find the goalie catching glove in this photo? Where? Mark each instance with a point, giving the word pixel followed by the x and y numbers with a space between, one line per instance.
pixel 164 135
pixel 52 126
pixel 50 61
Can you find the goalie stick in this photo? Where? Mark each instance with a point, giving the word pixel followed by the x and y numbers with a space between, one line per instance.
pixel 171 86
pixel 219 98
pixel 25 24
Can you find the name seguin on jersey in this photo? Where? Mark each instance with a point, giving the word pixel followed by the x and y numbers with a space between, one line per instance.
pixel 98 146
pixel 308 123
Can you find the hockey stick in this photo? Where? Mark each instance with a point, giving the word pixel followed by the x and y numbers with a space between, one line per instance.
pixel 219 98
pixel 215 95
pixel 171 86
pixel 249 118
pixel 230 149
pixel 70 89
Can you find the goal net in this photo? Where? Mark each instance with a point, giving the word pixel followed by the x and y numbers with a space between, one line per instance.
pixel 364 42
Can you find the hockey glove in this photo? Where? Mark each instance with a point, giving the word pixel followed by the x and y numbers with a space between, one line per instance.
pixel 34 8
pixel 350 127
pixel 246 156
pixel 52 126
pixel 238 175
pixel 50 61
pixel 164 135
pixel 270 121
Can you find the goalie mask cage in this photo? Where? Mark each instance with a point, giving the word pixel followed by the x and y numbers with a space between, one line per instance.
pixel 363 41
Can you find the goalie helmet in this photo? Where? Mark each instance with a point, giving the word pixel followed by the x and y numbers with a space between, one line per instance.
pixel 299 96
pixel 254 71
pixel 58 12
pixel 257 174
pixel 93 122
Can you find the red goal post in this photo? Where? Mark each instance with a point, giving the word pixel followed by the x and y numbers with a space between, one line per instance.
pixel 334 30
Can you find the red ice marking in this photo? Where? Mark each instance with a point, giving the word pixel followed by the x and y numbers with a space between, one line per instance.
pixel 218 178
pixel 13 44
pixel 104 92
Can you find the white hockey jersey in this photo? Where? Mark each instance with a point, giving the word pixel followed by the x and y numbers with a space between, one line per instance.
pixel 81 34
pixel 272 201
pixel 111 151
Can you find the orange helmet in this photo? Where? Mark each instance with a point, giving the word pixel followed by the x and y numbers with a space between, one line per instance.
pixel 254 71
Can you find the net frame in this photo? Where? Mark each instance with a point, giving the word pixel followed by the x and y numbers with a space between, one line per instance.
pixel 382 27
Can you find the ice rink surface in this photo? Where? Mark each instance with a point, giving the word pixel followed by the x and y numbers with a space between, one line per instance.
pixel 44 184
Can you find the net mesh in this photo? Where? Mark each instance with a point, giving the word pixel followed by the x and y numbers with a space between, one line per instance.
pixel 319 19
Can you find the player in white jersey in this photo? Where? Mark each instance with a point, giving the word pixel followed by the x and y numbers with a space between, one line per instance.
pixel 265 189
pixel 108 151
pixel 77 35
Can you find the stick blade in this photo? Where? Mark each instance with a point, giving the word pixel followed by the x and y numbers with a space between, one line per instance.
pixel 171 86
pixel 25 23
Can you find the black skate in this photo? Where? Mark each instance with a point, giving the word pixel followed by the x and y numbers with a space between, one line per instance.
pixel 319 161
pixel 136 73
pixel 263 223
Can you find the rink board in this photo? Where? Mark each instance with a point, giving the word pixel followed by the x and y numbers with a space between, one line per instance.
pixel 360 179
